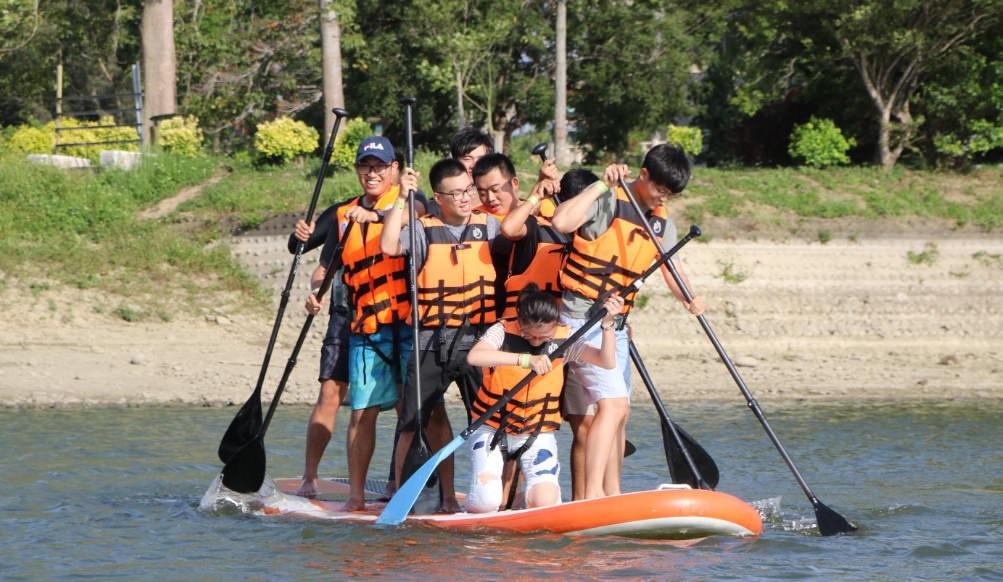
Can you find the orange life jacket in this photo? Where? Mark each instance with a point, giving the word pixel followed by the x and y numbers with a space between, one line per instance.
pixel 544 269
pixel 617 257
pixel 456 284
pixel 376 283
pixel 536 407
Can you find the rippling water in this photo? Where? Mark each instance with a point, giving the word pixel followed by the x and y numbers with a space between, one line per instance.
pixel 113 493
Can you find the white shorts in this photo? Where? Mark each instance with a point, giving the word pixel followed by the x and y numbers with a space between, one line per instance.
pixel 586 384
pixel 539 464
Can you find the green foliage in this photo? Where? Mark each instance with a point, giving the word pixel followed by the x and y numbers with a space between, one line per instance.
pixel 159 176
pixel 927 256
pixel 729 274
pixel 284 139
pixel 690 139
pixel 42 140
pixel 820 144
pixel 824 235
pixel 348 142
pixel 180 135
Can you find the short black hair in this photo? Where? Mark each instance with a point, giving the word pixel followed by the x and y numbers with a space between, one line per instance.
pixel 444 168
pixel 535 306
pixel 494 161
pixel 467 140
pixel 668 166
pixel 574 181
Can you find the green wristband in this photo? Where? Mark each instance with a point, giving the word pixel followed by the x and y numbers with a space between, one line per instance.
pixel 524 361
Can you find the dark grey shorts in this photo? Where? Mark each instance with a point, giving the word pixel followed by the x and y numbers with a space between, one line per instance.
pixel 334 352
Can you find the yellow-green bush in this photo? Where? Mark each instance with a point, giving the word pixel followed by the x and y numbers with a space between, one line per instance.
pixel 284 138
pixel 32 140
pixel 689 139
pixel 820 143
pixel 180 135
pixel 348 144
pixel 42 140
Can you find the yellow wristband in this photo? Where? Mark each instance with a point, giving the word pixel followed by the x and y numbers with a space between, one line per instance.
pixel 524 361
pixel 534 200
pixel 400 203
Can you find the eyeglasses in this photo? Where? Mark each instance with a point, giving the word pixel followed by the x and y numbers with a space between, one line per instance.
pixel 665 192
pixel 364 169
pixel 470 191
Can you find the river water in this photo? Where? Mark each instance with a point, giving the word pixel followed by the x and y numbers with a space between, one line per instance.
pixel 114 493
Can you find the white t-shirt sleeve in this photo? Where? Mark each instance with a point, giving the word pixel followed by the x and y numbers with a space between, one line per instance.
pixel 573 355
pixel 495 335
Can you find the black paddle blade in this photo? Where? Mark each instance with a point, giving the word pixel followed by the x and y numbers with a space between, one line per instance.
pixel 243 428
pixel 245 472
pixel 831 523
pixel 679 469
pixel 417 455
pixel 628 449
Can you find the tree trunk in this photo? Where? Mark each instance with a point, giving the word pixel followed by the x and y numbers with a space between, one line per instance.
pixel 461 115
pixel 561 153
pixel 330 43
pixel 159 64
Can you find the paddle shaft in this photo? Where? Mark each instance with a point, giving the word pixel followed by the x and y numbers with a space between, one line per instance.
pixel 664 415
pixel 412 217
pixel 724 355
pixel 325 284
pixel 249 415
pixel 541 150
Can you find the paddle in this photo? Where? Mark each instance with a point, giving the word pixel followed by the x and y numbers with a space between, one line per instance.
pixel 541 150
pixel 417 454
pixel 688 462
pixel 245 471
pixel 247 423
pixel 400 505
pixel 829 522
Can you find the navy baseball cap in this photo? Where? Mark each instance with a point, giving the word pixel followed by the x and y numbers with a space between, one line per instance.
pixel 378 147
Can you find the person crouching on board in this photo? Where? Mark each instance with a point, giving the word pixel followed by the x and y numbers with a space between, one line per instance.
pixel 507 352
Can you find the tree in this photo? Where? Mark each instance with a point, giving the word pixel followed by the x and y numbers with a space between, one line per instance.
pixel 891 45
pixel 159 64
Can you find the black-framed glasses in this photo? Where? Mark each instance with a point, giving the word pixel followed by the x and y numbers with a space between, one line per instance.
pixel 470 191
pixel 364 169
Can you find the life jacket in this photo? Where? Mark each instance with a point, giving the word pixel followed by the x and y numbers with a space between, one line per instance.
pixel 456 284
pixel 544 269
pixel 617 257
pixel 535 408
pixel 547 208
pixel 376 283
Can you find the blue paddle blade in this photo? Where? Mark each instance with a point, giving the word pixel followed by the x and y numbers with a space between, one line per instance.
pixel 401 503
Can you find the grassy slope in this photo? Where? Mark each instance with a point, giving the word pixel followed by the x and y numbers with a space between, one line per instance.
pixel 80 229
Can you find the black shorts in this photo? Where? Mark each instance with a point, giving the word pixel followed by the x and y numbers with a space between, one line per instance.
pixel 334 352
pixel 439 369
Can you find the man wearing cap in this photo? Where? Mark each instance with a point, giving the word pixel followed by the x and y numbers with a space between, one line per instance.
pixel 379 342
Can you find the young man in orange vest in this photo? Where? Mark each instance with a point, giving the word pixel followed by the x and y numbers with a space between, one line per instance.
pixel 455 290
pixel 610 249
pixel 378 340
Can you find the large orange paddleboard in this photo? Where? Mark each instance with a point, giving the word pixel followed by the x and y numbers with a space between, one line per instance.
pixel 670 512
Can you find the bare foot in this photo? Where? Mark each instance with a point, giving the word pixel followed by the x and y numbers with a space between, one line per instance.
pixel 354 504
pixel 308 488
pixel 449 505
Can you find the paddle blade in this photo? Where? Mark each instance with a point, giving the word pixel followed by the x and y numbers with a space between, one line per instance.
pixel 679 469
pixel 831 523
pixel 401 503
pixel 628 449
pixel 243 428
pixel 246 470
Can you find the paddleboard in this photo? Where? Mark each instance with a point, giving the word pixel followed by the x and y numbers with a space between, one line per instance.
pixel 674 512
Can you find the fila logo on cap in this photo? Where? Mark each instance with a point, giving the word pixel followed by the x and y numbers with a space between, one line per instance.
pixel 373 145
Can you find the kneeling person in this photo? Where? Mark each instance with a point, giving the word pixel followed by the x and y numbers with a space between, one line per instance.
pixel 524 427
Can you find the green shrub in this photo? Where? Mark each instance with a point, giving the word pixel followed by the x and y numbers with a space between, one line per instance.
pixel 820 144
pixel 32 140
pixel 689 139
pixel 348 143
pixel 180 135
pixel 284 139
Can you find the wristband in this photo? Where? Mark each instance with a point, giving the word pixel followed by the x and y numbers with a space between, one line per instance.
pixel 400 203
pixel 609 327
pixel 524 361
pixel 534 200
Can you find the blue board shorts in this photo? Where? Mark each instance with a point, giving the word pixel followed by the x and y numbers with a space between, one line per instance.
pixel 372 359
pixel 587 384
